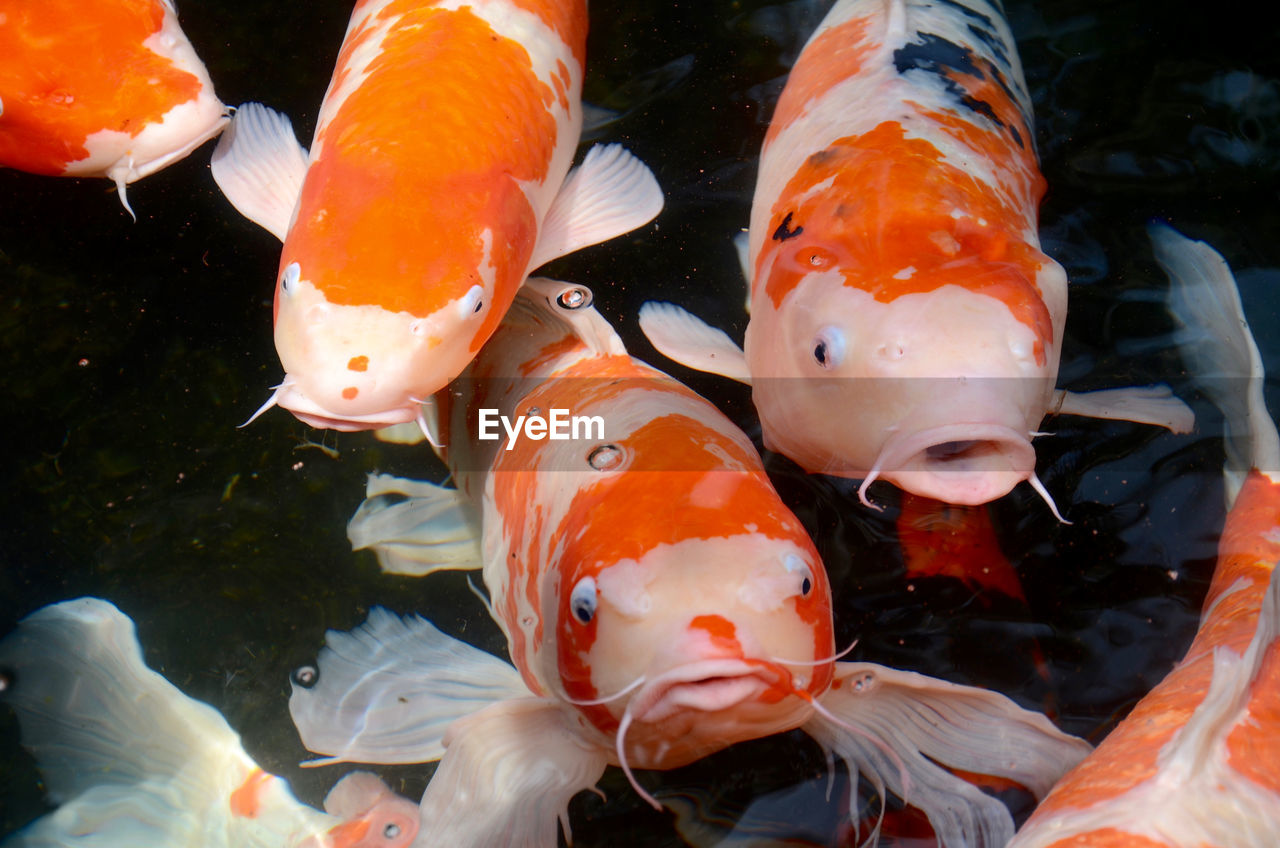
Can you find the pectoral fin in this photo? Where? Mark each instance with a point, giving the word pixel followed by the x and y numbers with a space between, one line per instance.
pixel 1153 405
pixel 507 777
pixel 259 166
pixel 610 193
pixel 414 527
pixel 386 691
pixel 903 731
pixel 682 336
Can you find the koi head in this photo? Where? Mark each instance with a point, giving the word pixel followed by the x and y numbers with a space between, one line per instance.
pixel 937 389
pixel 361 367
pixel 706 638
pixel 373 816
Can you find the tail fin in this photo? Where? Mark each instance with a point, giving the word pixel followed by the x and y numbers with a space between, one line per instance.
pixel 89 709
pixel 1219 350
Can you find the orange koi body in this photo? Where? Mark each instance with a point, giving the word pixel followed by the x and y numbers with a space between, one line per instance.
pixel 107 89
pixel 1189 753
pixel 709 609
pixel 946 540
pixel 1196 764
pixel 904 322
pixel 433 186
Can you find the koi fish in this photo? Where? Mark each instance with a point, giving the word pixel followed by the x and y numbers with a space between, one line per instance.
pixel 659 601
pixel 1197 761
pixel 107 89
pixel 435 183
pixel 133 761
pixel 905 323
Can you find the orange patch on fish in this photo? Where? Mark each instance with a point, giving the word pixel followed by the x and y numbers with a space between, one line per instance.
pixel 1254 748
pixel 721 631
pixel 876 204
pixel 358 363
pixel 54 92
pixel 954 541
pixel 348 833
pixel 398 217
pixel 246 800
pixel 831 58
pixel 1108 837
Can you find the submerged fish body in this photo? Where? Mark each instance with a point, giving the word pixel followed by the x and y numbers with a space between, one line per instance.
pixel 1197 760
pixel 659 601
pixel 436 181
pixel 905 323
pixel 132 761
pixel 108 89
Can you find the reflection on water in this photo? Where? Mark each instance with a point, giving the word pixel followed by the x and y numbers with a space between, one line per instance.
pixel 132 351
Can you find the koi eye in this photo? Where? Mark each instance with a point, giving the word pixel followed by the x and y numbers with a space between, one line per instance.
pixel 575 297
pixel 391 831
pixel 305 676
pixel 797 566
pixel 828 348
pixel 289 279
pixel 471 302
pixel 582 601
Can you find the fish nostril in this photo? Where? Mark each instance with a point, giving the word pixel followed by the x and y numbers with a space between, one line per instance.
pixel 891 351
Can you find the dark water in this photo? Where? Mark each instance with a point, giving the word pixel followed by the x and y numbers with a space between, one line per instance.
pixel 132 351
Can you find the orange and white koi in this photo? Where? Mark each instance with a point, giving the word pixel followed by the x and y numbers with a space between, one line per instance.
pixel 660 603
pixel 1197 761
pixel 107 89
pixel 436 182
pixel 133 761
pixel 905 323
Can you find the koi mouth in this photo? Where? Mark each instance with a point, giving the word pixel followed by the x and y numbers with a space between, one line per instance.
pixel 958 463
pixel 706 686
pixel 287 396
pixel 707 694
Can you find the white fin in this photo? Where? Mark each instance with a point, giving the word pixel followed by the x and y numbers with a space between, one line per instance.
pixel 507 777
pixel 407 433
pixel 742 247
pixel 135 760
pixel 1219 350
pixel 415 527
pixel 355 794
pixel 84 698
pixel 386 691
pixel 1153 405
pixel 259 166
pixel 687 339
pixel 929 723
pixel 610 193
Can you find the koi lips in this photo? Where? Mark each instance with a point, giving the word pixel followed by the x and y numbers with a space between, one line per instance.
pixel 715 699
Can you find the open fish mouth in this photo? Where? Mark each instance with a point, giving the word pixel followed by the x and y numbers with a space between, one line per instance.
pixel 970 463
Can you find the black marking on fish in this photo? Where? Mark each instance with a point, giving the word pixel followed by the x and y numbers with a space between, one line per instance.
pixel 935 54
pixel 783 232
pixel 985 20
pixel 994 43
pixel 821 158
